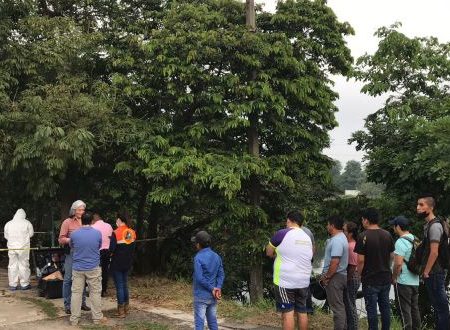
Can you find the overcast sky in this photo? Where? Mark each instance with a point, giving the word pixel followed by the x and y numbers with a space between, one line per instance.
pixel 418 18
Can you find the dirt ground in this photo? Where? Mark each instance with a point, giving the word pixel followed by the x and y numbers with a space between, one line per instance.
pixel 23 310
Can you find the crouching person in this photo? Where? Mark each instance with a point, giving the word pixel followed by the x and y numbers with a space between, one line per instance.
pixel 86 242
pixel 208 281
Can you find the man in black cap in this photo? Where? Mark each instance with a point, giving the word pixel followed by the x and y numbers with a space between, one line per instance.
pixel 406 284
pixel 208 281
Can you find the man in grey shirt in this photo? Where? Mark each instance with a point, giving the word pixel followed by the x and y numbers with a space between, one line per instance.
pixel 434 271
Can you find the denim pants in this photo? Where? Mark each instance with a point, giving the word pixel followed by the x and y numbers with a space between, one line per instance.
pixel 435 285
pixel 205 307
pixel 373 295
pixel 121 283
pixel 67 283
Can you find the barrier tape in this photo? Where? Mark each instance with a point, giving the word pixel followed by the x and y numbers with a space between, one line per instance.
pixel 50 248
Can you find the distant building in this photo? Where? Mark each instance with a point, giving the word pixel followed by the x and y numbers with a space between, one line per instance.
pixel 352 193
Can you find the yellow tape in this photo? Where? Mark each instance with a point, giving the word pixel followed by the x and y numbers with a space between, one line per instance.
pixel 49 248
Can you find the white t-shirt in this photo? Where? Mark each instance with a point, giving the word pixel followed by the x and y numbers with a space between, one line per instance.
pixel 292 267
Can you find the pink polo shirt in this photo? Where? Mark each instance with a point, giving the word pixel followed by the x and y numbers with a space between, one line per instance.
pixel 352 256
pixel 106 230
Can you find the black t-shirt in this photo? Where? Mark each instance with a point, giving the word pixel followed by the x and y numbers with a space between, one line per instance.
pixel 376 245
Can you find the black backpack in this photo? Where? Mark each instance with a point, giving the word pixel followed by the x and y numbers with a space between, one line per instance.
pixel 414 263
pixel 444 249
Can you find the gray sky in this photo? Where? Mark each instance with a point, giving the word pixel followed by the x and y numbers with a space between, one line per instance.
pixel 418 17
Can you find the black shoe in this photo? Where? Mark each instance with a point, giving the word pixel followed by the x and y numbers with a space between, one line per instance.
pixel 67 310
pixel 85 308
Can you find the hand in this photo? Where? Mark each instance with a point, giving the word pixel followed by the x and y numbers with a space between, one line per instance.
pixel 425 275
pixel 324 280
pixel 217 293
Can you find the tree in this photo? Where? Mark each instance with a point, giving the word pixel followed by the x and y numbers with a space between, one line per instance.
pixel 352 176
pixel 207 100
pixel 407 141
pixel 149 104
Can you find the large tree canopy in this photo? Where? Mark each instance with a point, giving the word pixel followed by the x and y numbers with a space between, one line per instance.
pixel 407 141
pixel 150 104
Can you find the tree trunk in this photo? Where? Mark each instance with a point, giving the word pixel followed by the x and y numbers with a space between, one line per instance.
pixel 256 281
pixel 152 233
pixel 141 209
pixel 68 194
pixel 256 278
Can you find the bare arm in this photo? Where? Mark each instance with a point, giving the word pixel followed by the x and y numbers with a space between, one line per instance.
pixel 63 238
pixel 334 264
pixel 398 262
pixel 360 266
pixel 270 251
pixel 434 253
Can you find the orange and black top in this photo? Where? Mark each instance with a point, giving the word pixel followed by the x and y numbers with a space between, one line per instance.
pixel 122 247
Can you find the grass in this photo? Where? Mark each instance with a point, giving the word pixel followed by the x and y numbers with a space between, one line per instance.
pixel 177 294
pixel 144 325
pixel 163 292
pixel 47 307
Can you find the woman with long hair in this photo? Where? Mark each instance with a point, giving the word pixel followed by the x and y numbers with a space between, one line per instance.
pixel 353 281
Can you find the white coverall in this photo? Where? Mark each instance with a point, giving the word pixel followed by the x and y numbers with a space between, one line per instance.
pixel 18 232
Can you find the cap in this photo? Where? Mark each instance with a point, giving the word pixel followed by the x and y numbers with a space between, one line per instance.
pixel 399 220
pixel 202 237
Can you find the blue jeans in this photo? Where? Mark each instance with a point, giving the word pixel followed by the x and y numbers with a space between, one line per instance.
pixel 67 283
pixel 373 295
pixel 121 283
pixel 208 308
pixel 435 285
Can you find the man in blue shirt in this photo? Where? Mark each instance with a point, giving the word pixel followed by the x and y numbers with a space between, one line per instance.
pixel 334 275
pixel 86 242
pixel 208 281
pixel 406 284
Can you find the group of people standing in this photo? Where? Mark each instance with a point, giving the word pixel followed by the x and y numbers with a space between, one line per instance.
pixel 370 258
pixel 92 251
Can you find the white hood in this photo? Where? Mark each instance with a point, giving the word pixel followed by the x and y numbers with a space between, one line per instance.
pixel 20 215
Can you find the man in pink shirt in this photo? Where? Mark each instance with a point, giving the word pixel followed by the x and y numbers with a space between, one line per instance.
pixel 67 228
pixel 106 230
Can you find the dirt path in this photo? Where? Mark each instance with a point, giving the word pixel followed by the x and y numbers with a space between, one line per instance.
pixel 24 310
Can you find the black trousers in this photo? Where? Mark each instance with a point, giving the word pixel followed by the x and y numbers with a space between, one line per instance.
pixel 407 298
pixel 105 259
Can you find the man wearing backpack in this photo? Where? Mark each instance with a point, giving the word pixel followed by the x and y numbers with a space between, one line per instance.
pixel 406 284
pixel 435 260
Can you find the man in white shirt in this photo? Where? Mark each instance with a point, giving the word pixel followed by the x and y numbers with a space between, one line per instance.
pixel 293 251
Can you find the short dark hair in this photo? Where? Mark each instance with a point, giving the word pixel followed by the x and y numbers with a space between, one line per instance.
pixel 123 218
pixel 371 214
pixel 296 216
pixel 86 218
pixel 352 228
pixel 429 199
pixel 336 221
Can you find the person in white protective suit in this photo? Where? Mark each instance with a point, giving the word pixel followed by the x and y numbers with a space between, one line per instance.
pixel 18 232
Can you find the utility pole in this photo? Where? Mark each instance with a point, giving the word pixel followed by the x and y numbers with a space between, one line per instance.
pixel 256 276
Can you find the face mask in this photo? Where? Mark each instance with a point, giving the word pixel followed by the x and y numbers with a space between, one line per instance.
pixel 423 215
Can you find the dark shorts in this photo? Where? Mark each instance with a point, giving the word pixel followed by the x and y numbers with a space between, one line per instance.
pixel 288 300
